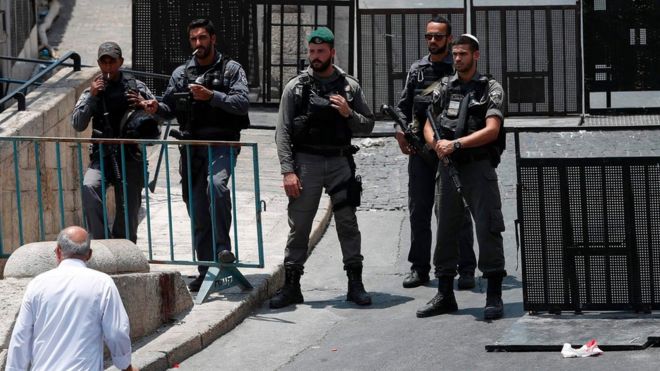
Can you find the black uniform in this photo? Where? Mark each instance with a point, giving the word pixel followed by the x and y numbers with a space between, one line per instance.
pixel 113 101
pixel 415 99
pixel 476 167
pixel 221 118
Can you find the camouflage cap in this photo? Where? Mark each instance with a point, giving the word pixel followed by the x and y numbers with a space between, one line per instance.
pixel 109 48
pixel 321 35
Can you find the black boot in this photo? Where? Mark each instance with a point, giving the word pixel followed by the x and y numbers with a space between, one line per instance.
pixel 443 302
pixel 494 306
pixel 356 292
pixel 290 292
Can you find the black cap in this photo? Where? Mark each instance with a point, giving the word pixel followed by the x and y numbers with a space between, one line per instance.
pixel 111 49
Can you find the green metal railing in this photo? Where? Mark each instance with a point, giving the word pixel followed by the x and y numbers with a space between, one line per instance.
pixel 54 213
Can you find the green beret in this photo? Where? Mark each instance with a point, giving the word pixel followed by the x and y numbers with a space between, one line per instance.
pixel 321 35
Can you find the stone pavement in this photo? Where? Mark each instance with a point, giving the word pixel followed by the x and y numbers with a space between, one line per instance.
pixel 82 25
pixel 221 311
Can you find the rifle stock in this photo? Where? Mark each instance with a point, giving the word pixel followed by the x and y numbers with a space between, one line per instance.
pixel 418 145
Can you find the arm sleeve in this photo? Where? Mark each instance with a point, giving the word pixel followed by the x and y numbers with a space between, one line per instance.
pixel 19 354
pixel 283 129
pixel 144 90
pixel 407 95
pixel 362 122
pixel 83 110
pixel 116 328
pixel 167 105
pixel 495 99
pixel 236 101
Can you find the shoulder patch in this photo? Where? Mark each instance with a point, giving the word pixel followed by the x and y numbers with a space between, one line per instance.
pixel 496 96
pixel 352 78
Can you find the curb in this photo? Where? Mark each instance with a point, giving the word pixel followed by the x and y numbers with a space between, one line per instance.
pixel 161 351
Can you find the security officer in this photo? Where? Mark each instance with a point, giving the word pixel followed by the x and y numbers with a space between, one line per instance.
pixel 209 97
pixel 112 99
pixel 423 77
pixel 319 112
pixel 469 111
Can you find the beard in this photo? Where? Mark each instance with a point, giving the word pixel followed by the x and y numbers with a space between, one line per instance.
pixel 322 67
pixel 464 67
pixel 202 52
pixel 436 51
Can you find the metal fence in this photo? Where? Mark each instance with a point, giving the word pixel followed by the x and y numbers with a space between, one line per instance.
pixel 589 229
pixel 47 181
pixel 266 36
pixel 390 40
pixel 534 53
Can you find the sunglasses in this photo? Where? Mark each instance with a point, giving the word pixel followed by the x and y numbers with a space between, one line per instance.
pixel 437 36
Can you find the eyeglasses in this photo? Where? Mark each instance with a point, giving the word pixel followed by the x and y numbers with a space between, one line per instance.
pixel 437 36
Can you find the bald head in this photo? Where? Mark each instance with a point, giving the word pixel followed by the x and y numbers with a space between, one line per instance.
pixel 73 242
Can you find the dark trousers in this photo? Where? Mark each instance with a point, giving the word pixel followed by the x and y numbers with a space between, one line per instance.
pixel 92 196
pixel 421 197
pixel 211 199
pixel 317 173
pixel 482 192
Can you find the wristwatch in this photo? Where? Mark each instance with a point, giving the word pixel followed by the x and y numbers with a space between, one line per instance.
pixel 457 145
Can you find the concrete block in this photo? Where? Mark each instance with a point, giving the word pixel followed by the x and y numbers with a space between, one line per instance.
pixel 141 296
pixel 109 256
pixel 29 123
pixel 67 78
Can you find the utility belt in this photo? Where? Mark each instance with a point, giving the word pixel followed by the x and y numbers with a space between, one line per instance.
pixel 327 151
pixel 468 155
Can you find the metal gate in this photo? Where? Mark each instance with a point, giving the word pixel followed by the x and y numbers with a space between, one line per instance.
pixel 160 39
pixel 268 37
pixel 589 230
pixel 390 40
pixel 282 39
pixel 534 53
pixel 622 75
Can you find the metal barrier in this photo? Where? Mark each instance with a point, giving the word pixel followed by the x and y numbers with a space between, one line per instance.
pixel 589 228
pixel 19 93
pixel 155 81
pixel 52 191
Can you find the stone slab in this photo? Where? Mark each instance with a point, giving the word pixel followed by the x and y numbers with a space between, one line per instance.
pixel 613 331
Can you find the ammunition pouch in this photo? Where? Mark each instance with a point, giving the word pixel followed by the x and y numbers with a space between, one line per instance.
pixel 420 104
pixel 353 185
pixel 300 128
pixel 354 190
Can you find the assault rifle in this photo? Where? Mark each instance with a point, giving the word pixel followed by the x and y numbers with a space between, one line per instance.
pixel 453 173
pixel 108 132
pixel 418 145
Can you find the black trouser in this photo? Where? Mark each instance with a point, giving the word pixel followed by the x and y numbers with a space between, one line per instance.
pixel 205 211
pixel 421 197
pixel 481 190
pixel 92 196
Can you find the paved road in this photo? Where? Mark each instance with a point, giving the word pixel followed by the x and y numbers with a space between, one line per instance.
pixel 327 333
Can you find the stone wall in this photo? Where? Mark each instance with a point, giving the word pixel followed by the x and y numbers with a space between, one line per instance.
pixel 48 114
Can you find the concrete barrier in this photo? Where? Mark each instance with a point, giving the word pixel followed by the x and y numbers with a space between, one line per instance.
pixel 108 256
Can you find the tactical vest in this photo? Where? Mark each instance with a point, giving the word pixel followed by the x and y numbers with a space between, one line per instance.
pixel 475 95
pixel 315 122
pixel 212 123
pixel 113 99
pixel 424 77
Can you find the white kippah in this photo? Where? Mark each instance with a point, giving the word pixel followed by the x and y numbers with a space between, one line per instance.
pixel 471 36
